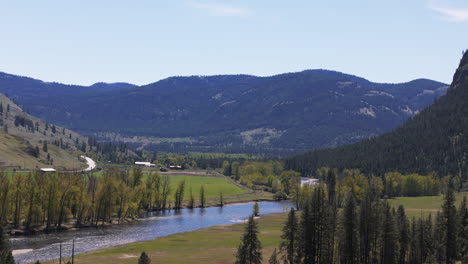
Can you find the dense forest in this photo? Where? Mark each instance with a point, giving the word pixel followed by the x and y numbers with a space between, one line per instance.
pixel 362 230
pixel 435 140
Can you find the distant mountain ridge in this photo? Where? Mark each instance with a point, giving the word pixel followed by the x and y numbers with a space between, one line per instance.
pixel 434 141
pixel 232 113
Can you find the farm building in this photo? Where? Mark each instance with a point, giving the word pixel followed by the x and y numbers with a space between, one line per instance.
pixel 144 163
pixel 47 169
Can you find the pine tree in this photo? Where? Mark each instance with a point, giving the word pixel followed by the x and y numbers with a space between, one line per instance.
pixel 274 258
pixel 349 242
pixel 249 250
pixel 44 147
pixel 307 243
pixel 290 239
pixel 415 251
pixel 256 209
pixel 403 234
pixel 439 247
pixel 389 236
pixel 463 230
pixel 449 213
pixel 144 259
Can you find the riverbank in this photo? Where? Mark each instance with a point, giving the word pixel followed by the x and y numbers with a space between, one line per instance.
pixel 215 244
pixel 248 197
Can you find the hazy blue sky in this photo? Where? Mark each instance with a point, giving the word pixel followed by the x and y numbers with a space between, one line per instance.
pixel 83 41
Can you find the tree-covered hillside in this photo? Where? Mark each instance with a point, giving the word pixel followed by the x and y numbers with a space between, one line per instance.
pixel 435 140
pixel 230 113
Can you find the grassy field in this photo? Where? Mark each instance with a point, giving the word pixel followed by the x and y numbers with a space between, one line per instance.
pixel 213 186
pixel 216 244
pixel 213 183
pixel 424 205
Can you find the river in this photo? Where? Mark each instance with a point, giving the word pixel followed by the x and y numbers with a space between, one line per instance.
pixel 155 224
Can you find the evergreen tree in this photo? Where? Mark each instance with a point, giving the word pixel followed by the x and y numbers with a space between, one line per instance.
pixel 256 209
pixel 367 228
pixel 249 250
pixel 439 247
pixel 463 230
pixel 144 259
pixel 389 237
pixel 403 234
pixel 449 214
pixel 415 252
pixel 290 239
pixel 274 258
pixel 44 147
pixel 349 242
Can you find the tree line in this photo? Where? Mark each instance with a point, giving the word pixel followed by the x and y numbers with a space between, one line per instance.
pixel 48 201
pixel 366 231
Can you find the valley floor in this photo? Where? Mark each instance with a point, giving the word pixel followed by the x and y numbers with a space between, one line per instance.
pixel 216 244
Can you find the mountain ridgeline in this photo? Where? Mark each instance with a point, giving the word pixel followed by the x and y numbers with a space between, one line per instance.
pixel 282 114
pixel 435 140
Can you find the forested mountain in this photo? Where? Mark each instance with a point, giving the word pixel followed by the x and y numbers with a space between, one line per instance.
pixel 232 113
pixel 435 140
pixel 28 142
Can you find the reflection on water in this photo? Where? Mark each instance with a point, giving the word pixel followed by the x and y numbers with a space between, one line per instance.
pixel 152 225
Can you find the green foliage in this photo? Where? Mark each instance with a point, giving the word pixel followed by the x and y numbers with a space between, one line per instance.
pixel 274 258
pixel 256 209
pixel 202 196
pixel 250 248
pixel 5 248
pixel 290 238
pixel 144 259
pixel 434 140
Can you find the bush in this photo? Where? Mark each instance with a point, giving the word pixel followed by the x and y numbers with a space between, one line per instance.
pixel 280 196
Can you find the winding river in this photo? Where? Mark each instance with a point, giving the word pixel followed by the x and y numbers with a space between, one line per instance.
pixel 155 224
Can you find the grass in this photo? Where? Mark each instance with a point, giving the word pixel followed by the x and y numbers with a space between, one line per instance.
pixel 213 186
pixel 215 244
pixel 423 205
pixel 218 244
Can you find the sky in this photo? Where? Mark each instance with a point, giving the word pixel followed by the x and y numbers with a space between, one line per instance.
pixel 143 41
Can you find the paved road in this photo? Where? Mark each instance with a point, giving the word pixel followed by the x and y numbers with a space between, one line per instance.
pixel 91 163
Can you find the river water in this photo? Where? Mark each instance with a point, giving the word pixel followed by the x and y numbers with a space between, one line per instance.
pixel 155 224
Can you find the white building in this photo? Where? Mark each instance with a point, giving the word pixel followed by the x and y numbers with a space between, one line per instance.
pixel 47 169
pixel 145 163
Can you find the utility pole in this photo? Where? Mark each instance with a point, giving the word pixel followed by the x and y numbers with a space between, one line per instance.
pixel 60 258
pixel 73 252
